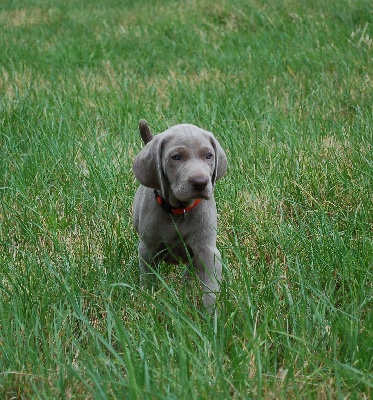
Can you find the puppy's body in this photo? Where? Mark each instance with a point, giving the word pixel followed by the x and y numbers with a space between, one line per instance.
pixel 182 164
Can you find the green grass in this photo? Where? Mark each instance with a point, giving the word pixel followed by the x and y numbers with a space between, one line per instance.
pixel 286 86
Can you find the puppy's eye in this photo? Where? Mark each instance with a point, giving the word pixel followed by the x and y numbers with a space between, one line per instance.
pixel 209 155
pixel 176 157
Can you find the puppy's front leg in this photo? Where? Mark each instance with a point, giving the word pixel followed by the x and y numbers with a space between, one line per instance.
pixel 209 270
pixel 146 264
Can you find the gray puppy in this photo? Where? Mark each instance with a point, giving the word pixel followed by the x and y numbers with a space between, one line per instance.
pixel 174 210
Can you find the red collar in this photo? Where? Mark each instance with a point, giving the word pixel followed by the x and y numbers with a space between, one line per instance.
pixel 169 208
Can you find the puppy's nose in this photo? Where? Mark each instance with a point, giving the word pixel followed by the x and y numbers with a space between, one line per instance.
pixel 199 182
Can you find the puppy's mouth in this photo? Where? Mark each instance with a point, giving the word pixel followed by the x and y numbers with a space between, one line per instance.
pixel 202 196
pixel 188 198
pixel 187 194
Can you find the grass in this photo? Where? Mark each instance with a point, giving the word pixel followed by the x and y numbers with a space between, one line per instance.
pixel 286 87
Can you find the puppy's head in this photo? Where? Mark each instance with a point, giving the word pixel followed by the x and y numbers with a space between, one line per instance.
pixel 183 163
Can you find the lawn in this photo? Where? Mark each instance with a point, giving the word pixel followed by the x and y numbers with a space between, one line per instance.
pixel 286 87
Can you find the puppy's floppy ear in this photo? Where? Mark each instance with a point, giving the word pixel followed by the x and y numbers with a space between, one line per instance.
pixel 147 166
pixel 220 160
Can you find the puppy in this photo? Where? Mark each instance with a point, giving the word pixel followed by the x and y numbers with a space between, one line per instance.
pixel 174 210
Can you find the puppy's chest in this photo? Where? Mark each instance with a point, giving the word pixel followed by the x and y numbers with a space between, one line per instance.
pixel 178 230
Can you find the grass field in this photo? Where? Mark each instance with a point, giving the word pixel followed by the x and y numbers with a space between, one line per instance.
pixel 286 87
